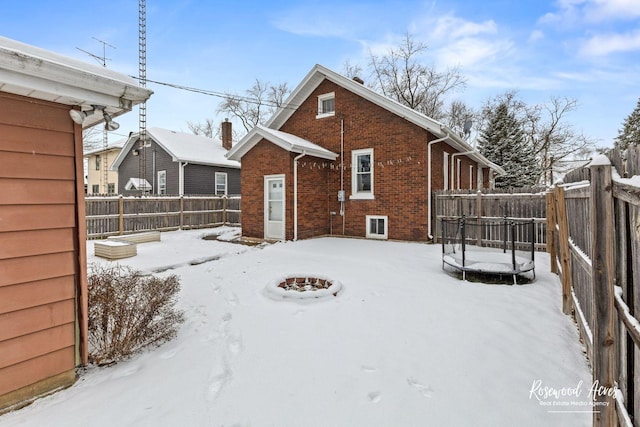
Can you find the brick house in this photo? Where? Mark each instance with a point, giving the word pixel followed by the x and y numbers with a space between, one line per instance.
pixel 44 97
pixel 177 163
pixel 341 159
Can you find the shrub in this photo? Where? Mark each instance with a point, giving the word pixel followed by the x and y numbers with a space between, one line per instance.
pixel 129 311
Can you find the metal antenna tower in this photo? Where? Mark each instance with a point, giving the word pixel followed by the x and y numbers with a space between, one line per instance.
pixel 105 137
pixel 142 77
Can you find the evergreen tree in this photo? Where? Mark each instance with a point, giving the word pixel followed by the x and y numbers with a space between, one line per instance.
pixel 503 141
pixel 630 132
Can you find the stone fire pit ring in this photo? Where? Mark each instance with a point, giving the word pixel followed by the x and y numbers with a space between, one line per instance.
pixel 303 287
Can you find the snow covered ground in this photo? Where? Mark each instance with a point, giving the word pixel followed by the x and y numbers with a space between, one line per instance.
pixel 403 344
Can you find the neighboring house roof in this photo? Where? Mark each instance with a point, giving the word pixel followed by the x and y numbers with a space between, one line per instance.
pixel 113 146
pixel 182 147
pixel 284 140
pixel 37 73
pixel 137 184
pixel 318 73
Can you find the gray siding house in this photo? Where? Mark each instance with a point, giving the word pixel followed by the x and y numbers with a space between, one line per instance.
pixel 177 163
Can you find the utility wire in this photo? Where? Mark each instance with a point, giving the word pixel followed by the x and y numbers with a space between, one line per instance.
pixel 222 95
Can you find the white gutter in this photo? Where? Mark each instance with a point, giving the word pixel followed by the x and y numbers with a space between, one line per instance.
pixel 444 138
pixel 295 194
pixel 453 180
pixel 181 177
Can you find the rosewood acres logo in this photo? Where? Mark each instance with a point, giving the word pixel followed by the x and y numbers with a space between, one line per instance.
pixel 579 398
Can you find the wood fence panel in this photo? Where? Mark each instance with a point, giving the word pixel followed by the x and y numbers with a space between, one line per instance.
pixel 115 215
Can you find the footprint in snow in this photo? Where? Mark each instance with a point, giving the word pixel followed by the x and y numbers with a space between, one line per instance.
pixel 226 318
pixel 168 354
pixel 425 390
pixel 232 299
pixel 366 368
pixel 374 396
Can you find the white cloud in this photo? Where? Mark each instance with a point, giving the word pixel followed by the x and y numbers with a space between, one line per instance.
pixel 604 10
pixel 469 52
pixel 450 26
pixel 604 44
pixel 536 35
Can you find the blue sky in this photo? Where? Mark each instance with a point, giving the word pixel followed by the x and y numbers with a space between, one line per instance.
pixel 584 49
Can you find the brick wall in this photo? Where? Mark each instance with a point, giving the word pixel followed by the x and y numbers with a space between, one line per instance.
pixel 399 171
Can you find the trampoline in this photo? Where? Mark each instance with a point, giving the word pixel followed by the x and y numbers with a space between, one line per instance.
pixel 494 246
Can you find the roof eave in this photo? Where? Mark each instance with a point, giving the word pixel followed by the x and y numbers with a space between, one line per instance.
pixel 41 78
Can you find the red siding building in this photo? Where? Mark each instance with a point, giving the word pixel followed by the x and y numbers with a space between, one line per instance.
pixel 43 279
pixel 341 159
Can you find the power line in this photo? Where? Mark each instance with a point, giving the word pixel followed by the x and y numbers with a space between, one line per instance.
pixel 222 95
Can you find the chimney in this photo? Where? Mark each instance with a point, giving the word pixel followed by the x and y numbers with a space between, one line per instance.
pixel 226 134
pixel 358 80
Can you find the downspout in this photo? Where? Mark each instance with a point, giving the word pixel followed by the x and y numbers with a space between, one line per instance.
pixel 429 235
pixel 342 213
pixel 453 174
pixel 181 177
pixel 295 194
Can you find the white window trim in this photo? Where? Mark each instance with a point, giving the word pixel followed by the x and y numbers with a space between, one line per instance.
pixel 370 235
pixel 458 173
pixel 355 194
pixel 160 187
pixel 226 183
pixel 445 171
pixel 324 97
pixel 470 176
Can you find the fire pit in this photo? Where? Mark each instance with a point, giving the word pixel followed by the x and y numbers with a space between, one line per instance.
pixel 302 286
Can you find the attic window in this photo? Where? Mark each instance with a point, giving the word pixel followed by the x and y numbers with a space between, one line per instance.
pixel 326 105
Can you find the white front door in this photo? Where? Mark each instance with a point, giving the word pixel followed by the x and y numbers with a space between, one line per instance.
pixel 274 204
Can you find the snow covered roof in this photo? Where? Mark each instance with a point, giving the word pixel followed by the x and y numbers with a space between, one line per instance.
pixel 114 145
pixel 137 184
pixel 319 73
pixel 182 147
pixel 37 73
pixel 284 140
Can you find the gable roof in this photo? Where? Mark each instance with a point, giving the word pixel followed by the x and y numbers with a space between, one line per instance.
pixel 284 140
pixel 40 74
pixel 113 146
pixel 182 147
pixel 319 73
pixel 137 184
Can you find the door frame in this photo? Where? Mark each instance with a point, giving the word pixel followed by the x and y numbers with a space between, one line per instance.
pixel 267 179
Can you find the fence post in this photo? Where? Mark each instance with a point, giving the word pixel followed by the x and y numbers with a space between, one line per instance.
pixel 602 270
pixel 565 254
pixel 120 215
pixel 479 212
pixel 225 206
pixel 181 211
pixel 551 232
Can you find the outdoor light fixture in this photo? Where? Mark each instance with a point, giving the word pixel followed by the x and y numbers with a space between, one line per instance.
pixel 79 116
pixel 109 124
pixel 135 152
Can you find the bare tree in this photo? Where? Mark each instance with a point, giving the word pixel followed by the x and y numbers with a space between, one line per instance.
pixel 400 76
pixel 551 137
pixel 92 138
pixel 260 102
pixel 457 115
pixel 206 128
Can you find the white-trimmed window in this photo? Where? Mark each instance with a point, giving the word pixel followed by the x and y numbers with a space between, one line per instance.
pixel 445 171
pixel 470 176
pixel 458 173
pixel 162 182
pixel 362 174
pixel 377 226
pixel 221 183
pixel 98 158
pixel 326 105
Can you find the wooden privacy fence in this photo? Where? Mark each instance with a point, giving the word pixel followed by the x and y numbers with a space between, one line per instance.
pixel 594 244
pixel 114 215
pixel 493 206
